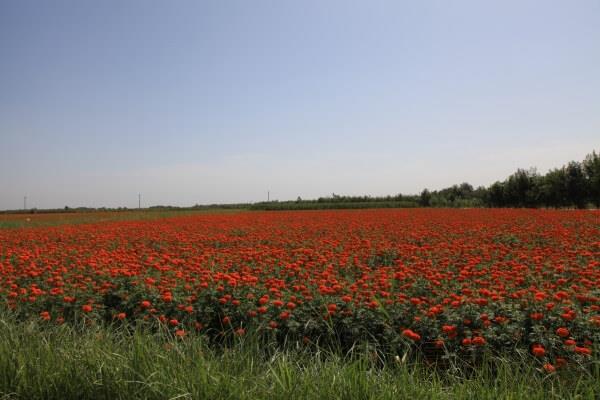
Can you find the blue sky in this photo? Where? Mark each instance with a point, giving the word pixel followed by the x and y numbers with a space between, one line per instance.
pixel 200 102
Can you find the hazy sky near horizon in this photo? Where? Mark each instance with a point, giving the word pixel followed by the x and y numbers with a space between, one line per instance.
pixel 219 101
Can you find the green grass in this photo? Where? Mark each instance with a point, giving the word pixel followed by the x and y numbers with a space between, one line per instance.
pixel 61 362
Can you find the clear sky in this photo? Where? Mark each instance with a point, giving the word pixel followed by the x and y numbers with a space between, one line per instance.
pixel 201 102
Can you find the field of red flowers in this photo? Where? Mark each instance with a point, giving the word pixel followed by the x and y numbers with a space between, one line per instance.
pixel 438 280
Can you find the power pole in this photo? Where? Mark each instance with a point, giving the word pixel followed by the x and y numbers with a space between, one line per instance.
pixel 24 202
pixel 268 196
pixel 139 201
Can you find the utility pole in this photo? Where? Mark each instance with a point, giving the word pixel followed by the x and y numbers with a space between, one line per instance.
pixel 268 196
pixel 139 201
pixel 24 202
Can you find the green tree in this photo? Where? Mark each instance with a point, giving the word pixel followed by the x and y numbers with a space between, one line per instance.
pixel 576 184
pixel 591 167
pixel 425 199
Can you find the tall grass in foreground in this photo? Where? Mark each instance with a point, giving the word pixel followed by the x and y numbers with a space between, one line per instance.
pixel 63 362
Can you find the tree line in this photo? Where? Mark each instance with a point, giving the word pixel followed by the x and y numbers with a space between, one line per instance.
pixel 576 184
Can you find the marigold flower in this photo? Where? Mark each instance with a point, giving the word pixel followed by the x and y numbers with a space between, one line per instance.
pixel 562 332
pixel 538 350
pixel 284 315
pixel 411 335
pixel 549 368
pixel 478 341
pixel 583 350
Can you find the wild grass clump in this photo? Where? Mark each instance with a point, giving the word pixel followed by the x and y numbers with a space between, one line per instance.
pixel 63 362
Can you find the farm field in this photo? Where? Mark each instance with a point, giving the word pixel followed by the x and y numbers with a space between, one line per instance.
pixel 459 302
pixel 36 220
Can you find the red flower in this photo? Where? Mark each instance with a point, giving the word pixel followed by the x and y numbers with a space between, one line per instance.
pixel 411 335
pixel 562 332
pixel 448 329
pixel 478 341
pixel 583 350
pixel 538 350
pixel 549 368
pixel 240 331
pixel 284 315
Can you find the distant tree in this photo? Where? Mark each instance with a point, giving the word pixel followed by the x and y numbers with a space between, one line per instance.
pixel 591 167
pixel 425 199
pixel 465 190
pixel 495 195
pixel 520 189
pixel 554 188
pixel 576 184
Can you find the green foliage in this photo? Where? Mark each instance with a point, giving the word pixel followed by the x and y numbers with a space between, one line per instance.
pixel 574 185
pixel 591 167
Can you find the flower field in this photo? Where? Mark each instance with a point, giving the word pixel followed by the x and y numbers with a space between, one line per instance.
pixel 437 281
